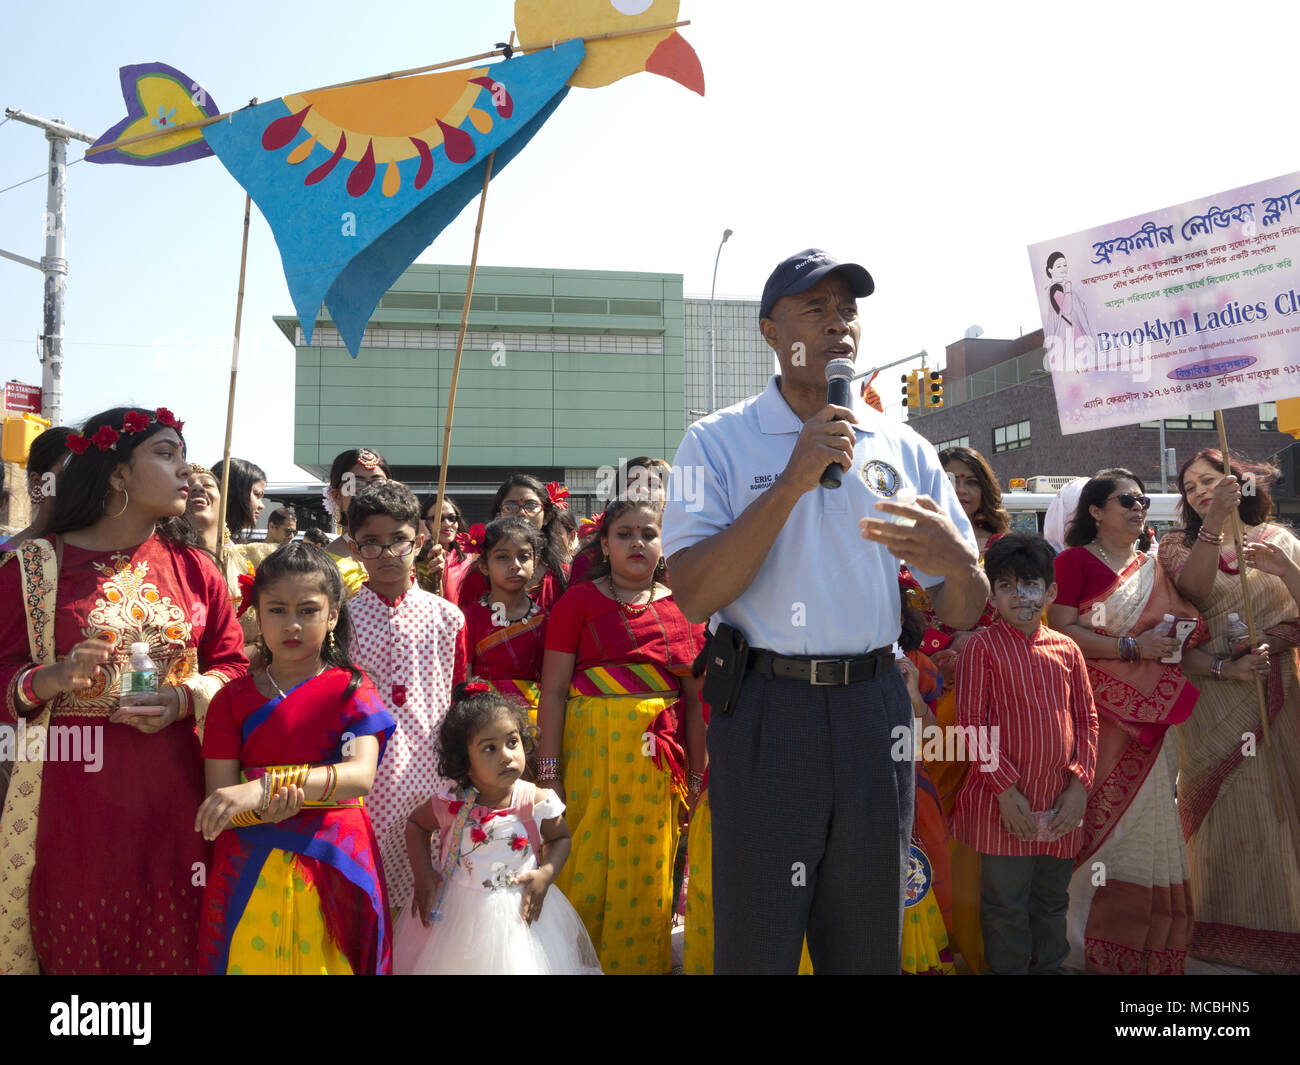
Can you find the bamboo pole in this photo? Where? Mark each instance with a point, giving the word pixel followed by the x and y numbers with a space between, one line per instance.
pixel 1248 606
pixel 199 123
pixel 230 401
pixel 460 346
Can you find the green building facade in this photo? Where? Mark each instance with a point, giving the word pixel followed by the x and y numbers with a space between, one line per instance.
pixel 563 370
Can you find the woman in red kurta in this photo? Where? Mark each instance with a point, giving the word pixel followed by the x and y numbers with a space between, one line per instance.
pixel 101 870
pixel 618 661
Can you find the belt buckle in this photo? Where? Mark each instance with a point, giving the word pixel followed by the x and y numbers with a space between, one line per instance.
pixel 812 672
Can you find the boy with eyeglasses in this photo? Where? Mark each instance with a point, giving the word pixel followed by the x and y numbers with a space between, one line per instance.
pixel 411 643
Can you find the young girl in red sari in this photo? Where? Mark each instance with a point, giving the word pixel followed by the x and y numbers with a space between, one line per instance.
pixel 521 496
pixel 290 751
pixel 617 668
pixel 505 630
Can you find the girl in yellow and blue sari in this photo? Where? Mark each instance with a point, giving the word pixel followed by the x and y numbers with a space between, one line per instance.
pixel 290 750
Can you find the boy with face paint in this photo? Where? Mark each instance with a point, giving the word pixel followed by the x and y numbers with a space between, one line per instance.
pixel 1025 687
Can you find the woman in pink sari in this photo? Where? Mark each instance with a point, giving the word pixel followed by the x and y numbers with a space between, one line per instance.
pixel 1241 814
pixel 1130 909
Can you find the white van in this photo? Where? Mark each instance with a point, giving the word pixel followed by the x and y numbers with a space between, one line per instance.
pixel 1027 510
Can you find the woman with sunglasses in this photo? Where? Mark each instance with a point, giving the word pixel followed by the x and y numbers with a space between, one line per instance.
pixel 1110 599
pixel 440 552
pixel 521 496
pixel 1243 846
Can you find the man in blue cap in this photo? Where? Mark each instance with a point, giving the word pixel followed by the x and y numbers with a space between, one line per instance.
pixel 811 812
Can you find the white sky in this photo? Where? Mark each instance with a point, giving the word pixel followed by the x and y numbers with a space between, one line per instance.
pixel 930 142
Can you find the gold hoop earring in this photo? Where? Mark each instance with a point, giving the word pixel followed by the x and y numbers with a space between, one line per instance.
pixel 126 498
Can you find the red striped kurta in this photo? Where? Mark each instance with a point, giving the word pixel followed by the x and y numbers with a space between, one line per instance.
pixel 1035 690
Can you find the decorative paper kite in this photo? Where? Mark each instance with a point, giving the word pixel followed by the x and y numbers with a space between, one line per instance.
pixel 356 180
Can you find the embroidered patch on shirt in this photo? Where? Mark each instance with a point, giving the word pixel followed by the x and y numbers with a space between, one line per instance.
pixel 881 477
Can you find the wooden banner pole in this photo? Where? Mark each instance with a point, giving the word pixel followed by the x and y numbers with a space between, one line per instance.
pixel 460 347
pixel 230 401
pixel 1248 606
pixel 199 123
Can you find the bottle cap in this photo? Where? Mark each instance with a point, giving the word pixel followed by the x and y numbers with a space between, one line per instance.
pixel 141 648
pixel 1169 617
pixel 1232 617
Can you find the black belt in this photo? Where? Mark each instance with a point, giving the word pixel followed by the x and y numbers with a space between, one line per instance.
pixel 821 671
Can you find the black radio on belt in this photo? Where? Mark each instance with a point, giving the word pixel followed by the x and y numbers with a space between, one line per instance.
pixel 726 659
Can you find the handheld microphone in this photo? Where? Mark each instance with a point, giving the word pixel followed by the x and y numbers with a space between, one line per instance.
pixel 839 378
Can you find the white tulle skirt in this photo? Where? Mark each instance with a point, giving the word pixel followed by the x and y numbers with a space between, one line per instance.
pixel 482 933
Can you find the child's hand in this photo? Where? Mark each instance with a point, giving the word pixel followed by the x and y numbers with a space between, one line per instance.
pixel 1070 805
pixel 284 804
pixel 1017 817
pixel 534 882
pixel 425 898
pixel 218 808
pixel 911 677
pixel 945 662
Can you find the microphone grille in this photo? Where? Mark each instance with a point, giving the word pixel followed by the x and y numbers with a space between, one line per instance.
pixel 840 368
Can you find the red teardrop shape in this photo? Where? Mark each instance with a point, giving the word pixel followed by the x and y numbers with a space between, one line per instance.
pixel 458 144
pixel 283 130
pixel 363 173
pixel 500 96
pixel 323 170
pixel 426 163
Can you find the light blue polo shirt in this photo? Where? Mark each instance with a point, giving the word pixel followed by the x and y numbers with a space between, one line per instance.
pixel 823 590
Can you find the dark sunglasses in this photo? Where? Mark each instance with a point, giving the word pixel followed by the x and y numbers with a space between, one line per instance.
pixel 1128 499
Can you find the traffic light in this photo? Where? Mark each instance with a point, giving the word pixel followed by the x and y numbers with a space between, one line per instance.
pixel 912 390
pixel 933 397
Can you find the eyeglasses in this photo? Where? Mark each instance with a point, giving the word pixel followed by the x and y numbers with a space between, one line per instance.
pixel 399 549
pixel 530 508
pixel 1127 500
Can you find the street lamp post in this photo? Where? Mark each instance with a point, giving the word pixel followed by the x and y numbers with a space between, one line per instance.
pixel 713 401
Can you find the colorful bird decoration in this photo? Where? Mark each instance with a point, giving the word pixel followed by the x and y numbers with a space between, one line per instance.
pixel 356 181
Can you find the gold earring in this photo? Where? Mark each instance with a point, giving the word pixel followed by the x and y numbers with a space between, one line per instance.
pixel 125 500
pixel 329 642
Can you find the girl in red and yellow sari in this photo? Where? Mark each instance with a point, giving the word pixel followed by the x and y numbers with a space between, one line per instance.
pixel 291 749
pixel 110 571
pixel 617 669
pixel 1240 810
pixel 1110 598
pixel 505 630
pixel 980 496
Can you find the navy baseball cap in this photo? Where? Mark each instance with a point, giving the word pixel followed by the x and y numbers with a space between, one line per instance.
pixel 806 268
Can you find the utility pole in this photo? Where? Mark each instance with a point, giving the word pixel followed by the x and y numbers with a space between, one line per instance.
pixel 53 264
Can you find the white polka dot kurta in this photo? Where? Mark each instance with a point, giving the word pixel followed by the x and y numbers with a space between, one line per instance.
pixel 410 652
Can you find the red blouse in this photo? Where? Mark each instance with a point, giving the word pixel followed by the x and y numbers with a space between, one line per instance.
pixel 589 624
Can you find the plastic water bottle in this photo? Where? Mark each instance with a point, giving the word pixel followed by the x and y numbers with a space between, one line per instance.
pixel 1166 626
pixel 140 681
pixel 1238 637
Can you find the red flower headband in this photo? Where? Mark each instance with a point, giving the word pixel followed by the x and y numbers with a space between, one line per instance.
pixel 471 543
pixel 477 687
pixel 591 526
pixel 559 495
pixel 245 592
pixel 106 437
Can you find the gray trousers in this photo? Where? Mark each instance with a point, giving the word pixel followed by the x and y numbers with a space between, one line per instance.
pixel 1023 903
pixel 812 819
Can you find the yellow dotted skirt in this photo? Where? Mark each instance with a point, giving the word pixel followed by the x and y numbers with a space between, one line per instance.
pixel 622 817
pixel 282 930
